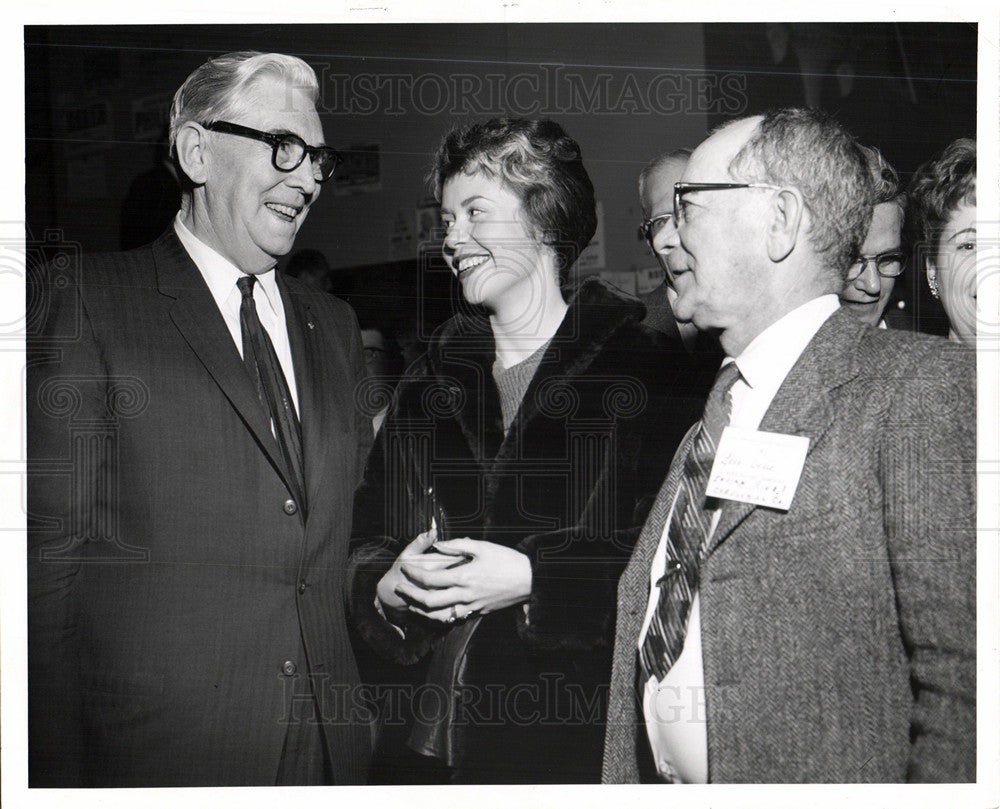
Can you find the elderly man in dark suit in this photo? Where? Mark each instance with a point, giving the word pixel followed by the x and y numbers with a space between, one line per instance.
pixel 193 451
pixel 800 606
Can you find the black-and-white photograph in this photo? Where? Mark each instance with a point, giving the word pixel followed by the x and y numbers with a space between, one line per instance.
pixel 504 403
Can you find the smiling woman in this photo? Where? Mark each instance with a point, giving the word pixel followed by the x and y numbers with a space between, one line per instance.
pixel 514 470
pixel 944 194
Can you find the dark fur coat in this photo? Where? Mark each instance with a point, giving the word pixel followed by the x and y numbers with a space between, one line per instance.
pixel 569 486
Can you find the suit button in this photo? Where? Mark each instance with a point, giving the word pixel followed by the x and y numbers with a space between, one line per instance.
pixel 290 507
pixel 302 585
pixel 288 668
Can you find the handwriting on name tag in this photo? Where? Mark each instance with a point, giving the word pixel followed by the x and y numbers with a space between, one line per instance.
pixel 757 467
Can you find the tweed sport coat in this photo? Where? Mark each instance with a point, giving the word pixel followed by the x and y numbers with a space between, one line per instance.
pixel 179 599
pixel 838 637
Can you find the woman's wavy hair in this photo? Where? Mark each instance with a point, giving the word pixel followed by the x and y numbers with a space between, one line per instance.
pixel 940 186
pixel 539 162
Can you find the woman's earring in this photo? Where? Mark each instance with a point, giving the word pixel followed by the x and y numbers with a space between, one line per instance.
pixel 932 283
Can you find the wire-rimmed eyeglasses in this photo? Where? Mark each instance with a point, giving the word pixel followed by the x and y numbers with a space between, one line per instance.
pixel 650 228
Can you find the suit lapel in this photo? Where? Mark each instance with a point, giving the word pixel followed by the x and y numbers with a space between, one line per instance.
pixel 199 321
pixel 659 314
pixel 802 404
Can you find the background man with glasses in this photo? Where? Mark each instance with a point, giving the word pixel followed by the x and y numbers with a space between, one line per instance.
pixel 656 189
pixel 805 612
pixel 194 447
pixel 656 193
pixel 872 276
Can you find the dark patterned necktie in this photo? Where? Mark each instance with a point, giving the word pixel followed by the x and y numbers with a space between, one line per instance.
pixel 272 388
pixel 687 537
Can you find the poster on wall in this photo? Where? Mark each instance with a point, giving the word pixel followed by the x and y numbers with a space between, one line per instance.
pixel 150 117
pixel 428 218
pixel 361 171
pixel 648 278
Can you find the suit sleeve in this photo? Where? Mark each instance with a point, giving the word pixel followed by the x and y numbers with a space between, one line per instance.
pixel 66 388
pixel 928 460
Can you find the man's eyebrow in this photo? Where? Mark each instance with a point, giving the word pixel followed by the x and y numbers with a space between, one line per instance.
pixel 958 233
pixel 281 132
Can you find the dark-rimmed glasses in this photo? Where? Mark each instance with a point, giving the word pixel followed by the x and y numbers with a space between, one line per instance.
pixel 680 189
pixel 288 150
pixel 650 228
pixel 889 264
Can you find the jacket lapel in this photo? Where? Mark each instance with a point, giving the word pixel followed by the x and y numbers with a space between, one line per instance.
pixel 199 321
pixel 802 405
pixel 461 358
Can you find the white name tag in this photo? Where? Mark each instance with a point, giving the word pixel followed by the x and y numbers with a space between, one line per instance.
pixel 756 467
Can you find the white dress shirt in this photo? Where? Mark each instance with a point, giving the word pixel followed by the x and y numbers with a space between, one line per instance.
pixel 221 276
pixel 674 708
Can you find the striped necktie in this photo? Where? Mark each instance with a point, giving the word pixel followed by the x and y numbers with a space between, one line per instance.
pixel 687 537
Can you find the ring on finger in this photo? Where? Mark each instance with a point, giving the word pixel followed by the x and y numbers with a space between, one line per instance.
pixel 454 614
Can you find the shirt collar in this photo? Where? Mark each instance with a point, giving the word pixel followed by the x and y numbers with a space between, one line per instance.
pixel 219 272
pixel 773 352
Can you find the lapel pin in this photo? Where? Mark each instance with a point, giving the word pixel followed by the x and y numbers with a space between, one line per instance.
pixel 310 324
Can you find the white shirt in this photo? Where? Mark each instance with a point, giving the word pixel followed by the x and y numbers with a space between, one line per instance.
pixel 674 708
pixel 221 276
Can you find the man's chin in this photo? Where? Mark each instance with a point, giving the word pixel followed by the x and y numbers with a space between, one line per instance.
pixel 868 312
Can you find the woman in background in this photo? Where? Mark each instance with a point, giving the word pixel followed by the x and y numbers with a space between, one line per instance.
pixel 943 193
pixel 514 471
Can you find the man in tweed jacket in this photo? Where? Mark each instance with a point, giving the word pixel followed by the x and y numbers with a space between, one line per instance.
pixel 832 641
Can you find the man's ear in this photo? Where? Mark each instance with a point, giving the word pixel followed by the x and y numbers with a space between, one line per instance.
pixel 192 151
pixel 786 211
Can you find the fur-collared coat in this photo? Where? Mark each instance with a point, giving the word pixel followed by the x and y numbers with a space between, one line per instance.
pixel 569 486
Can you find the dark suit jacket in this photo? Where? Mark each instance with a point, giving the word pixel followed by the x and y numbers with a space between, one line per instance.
pixel 179 599
pixel 660 314
pixel 838 637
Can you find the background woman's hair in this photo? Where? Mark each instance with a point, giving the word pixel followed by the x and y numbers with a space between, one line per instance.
pixel 939 186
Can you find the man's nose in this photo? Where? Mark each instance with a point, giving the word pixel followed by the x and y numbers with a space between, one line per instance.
pixel 869 280
pixel 666 239
pixel 303 177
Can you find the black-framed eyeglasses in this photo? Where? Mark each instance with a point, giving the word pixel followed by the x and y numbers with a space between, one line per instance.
pixel 680 189
pixel 288 150
pixel 889 264
pixel 650 228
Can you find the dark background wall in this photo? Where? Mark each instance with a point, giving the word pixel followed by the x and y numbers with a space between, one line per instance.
pixel 96 101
